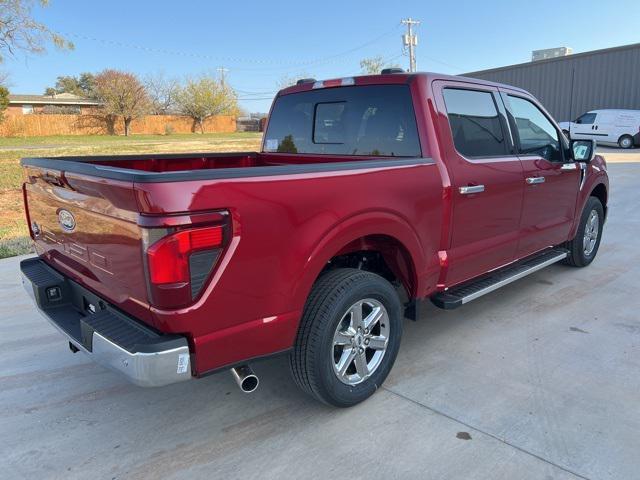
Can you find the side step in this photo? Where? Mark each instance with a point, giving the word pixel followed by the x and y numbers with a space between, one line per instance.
pixel 461 294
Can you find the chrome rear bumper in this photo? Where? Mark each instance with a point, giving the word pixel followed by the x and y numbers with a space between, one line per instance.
pixel 146 357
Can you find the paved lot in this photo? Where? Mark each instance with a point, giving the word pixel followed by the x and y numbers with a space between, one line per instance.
pixel 542 376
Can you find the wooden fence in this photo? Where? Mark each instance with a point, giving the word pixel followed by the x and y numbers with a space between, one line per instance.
pixel 44 125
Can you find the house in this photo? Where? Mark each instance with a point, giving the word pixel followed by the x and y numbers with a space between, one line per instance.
pixel 60 103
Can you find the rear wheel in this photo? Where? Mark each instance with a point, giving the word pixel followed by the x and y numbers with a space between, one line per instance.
pixel 625 141
pixel 584 247
pixel 349 337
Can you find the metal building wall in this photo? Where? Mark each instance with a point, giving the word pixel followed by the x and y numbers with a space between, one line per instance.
pixel 569 86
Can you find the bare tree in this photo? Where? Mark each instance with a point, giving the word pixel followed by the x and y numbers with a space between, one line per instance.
pixel 123 95
pixel 289 80
pixel 162 93
pixel 205 97
pixel 374 65
pixel 19 31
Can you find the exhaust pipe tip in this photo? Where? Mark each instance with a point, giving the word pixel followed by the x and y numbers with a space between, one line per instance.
pixel 245 378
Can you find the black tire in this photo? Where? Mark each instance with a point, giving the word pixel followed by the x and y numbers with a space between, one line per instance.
pixel 577 256
pixel 625 141
pixel 331 297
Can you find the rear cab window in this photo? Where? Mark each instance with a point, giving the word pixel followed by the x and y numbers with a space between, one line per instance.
pixel 371 120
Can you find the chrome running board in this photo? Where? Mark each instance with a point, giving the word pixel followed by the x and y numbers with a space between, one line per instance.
pixel 461 294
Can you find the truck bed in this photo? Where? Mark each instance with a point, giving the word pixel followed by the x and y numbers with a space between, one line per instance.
pixel 205 166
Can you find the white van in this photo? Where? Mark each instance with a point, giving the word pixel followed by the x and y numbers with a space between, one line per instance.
pixel 616 127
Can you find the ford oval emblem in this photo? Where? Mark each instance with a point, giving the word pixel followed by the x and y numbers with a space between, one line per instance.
pixel 66 220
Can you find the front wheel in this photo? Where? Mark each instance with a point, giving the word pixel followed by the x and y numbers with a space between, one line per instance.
pixel 348 338
pixel 584 246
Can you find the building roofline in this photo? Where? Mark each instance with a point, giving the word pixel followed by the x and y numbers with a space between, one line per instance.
pixel 556 59
pixel 50 100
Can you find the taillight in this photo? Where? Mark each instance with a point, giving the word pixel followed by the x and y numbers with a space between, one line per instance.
pixel 180 263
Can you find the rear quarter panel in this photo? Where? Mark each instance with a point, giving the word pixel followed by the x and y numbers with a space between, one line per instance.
pixel 285 229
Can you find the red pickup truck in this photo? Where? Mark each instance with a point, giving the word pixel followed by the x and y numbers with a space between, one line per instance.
pixel 369 196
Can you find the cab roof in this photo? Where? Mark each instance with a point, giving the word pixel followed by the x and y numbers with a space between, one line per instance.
pixel 388 79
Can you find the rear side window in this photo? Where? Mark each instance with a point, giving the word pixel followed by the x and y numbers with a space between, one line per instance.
pixel 537 134
pixel 475 124
pixel 376 120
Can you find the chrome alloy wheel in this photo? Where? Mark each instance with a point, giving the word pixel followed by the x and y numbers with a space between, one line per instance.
pixel 360 341
pixel 591 231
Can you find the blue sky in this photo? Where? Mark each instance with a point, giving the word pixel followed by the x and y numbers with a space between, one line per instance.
pixel 260 42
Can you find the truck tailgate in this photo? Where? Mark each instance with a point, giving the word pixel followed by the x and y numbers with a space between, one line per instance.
pixel 86 227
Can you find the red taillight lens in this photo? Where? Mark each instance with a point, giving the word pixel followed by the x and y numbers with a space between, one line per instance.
pixel 169 257
pixel 180 263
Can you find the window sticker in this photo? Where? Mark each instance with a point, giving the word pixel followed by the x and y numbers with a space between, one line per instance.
pixel 272 144
pixel 580 151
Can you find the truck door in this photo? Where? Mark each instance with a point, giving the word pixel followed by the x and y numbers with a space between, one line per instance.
pixel 551 185
pixel 486 179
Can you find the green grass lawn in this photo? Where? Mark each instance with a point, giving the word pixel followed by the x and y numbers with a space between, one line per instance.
pixel 71 140
pixel 13 231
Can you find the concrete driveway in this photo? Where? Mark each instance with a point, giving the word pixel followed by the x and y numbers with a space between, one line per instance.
pixel 539 380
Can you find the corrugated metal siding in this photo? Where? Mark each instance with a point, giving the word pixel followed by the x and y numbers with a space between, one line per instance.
pixel 569 86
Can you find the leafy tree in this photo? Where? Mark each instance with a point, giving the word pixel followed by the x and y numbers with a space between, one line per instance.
pixel 162 93
pixel 205 97
pixel 123 95
pixel 83 85
pixel 4 101
pixel 20 32
pixel 374 65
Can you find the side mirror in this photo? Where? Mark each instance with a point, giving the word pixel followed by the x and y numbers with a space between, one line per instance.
pixel 583 150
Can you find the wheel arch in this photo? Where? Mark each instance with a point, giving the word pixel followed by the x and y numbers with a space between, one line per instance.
pixel 600 192
pixel 599 189
pixel 383 232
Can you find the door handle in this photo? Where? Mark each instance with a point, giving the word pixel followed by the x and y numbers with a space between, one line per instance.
pixel 471 189
pixel 535 180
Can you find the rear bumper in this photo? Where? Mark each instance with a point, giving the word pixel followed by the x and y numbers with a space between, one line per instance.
pixel 111 338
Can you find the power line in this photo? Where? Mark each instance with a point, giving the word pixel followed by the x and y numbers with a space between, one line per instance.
pixel 260 61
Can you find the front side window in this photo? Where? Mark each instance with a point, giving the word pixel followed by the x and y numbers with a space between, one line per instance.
pixel 475 124
pixel 375 120
pixel 537 134
pixel 586 119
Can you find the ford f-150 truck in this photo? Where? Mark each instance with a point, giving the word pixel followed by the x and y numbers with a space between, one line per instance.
pixel 370 195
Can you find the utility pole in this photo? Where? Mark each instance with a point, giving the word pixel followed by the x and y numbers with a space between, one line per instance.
pixel 222 71
pixel 411 40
